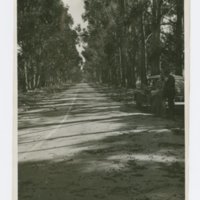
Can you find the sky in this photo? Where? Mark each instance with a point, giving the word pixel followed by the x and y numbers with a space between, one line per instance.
pixel 76 9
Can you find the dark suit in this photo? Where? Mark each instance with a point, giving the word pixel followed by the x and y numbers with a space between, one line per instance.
pixel 169 93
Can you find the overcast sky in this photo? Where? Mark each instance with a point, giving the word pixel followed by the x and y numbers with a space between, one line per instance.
pixel 76 9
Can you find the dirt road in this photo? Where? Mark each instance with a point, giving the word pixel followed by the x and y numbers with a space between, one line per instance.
pixel 79 144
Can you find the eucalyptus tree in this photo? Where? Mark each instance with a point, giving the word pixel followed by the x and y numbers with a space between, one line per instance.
pixel 47 44
pixel 130 40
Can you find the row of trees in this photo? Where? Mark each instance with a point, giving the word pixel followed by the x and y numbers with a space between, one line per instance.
pixel 128 40
pixel 47 53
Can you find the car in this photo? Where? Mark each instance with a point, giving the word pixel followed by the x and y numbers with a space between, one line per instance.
pixel 144 95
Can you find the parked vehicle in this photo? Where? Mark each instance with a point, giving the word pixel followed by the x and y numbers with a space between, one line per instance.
pixel 144 96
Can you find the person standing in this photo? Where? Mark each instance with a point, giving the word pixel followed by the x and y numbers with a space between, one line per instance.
pixel 157 97
pixel 169 92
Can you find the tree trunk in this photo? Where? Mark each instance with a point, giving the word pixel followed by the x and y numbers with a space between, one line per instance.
pixel 120 67
pixel 26 76
pixel 142 52
pixel 123 43
pixel 38 81
pixel 155 64
pixel 179 37
pixel 133 78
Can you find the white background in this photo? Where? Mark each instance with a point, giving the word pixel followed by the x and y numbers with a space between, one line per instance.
pixel 7 20
pixel 6 105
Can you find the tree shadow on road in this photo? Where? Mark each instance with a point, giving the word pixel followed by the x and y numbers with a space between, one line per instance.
pixel 123 167
pixel 141 157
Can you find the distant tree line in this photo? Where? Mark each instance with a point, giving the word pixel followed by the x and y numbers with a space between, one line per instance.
pixel 127 40
pixel 47 53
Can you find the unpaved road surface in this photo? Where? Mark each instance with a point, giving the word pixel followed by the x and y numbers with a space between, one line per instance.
pixel 79 144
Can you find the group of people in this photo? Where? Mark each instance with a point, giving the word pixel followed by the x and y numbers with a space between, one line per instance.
pixel 165 90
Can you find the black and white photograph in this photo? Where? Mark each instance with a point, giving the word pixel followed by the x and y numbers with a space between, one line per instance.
pixel 101 99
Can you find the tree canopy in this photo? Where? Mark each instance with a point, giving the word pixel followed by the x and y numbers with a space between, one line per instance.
pixel 128 40
pixel 46 44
